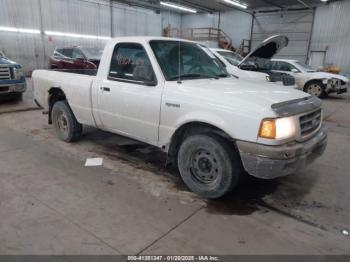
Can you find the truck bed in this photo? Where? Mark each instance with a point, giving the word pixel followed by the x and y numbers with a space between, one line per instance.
pixel 89 72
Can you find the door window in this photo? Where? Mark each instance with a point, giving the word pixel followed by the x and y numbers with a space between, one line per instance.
pixel 130 63
pixel 284 66
pixel 76 54
pixel 67 52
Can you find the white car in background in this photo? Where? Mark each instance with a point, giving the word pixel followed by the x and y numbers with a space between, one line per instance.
pixel 252 67
pixel 310 80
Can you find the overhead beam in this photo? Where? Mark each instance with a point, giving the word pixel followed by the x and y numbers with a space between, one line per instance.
pixel 304 4
pixel 272 4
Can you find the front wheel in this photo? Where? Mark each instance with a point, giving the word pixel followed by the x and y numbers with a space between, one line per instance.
pixel 315 88
pixel 66 126
pixel 208 165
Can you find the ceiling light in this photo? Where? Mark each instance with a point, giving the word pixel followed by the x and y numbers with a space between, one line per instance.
pixel 179 7
pixel 77 35
pixel 324 1
pixel 19 30
pixel 241 5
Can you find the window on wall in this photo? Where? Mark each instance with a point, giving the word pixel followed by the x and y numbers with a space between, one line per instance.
pixel 130 62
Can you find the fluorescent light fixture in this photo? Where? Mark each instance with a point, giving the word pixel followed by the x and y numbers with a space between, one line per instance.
pixel 53 33
pixel 19 30
pixel 241 5
pixel 324 1
pixel 179 7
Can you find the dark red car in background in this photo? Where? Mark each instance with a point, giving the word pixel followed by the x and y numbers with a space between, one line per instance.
pixel 76 58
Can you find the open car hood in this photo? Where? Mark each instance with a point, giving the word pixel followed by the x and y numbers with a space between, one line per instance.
pixel 268 48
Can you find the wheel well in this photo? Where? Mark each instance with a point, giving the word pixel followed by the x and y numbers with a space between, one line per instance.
pixel 190 129
pixel 55 94
pixel 319 81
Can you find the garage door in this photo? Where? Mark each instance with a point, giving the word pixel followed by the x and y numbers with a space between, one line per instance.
pixel 296 25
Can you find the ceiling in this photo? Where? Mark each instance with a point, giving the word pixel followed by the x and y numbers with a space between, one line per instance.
pixel 220 5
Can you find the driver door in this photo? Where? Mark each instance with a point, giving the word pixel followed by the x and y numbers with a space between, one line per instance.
pixel 129 99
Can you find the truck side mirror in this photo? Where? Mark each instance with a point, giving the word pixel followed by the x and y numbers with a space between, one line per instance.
pixel 295 70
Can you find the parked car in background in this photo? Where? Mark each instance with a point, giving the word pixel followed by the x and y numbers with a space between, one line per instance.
pixel 175 95
pixel 310 80
pixel 12 79
pixel 76 58
pixel 248 68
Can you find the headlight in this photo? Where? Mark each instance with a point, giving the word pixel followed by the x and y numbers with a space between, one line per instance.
pixel 18 73
pixel 279 128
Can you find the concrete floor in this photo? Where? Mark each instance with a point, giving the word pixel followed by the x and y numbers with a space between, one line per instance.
pixel 51 204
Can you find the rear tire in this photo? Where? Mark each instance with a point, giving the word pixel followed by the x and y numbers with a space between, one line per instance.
pixel 315 88
pixel 208 165
pixel 66 126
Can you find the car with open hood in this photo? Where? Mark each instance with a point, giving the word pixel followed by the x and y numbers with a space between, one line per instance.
pixel 175 95
pixel 308 79
pixel 252 67
pixel 12 79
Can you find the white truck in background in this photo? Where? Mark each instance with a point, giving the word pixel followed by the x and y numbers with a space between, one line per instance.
pixel 246 67
pixel 175 95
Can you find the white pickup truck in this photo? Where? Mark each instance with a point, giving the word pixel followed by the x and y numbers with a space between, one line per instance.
pixel 175 95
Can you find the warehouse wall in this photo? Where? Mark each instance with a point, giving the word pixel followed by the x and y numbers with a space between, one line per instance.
pixel 235 24
pixel 91 17
pixel 331 33
pixel 296 25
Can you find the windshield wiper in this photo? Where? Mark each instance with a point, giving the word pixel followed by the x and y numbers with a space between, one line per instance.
pixel 192 76
pixel 222 75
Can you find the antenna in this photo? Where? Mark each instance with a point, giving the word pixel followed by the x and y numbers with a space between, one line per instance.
pixel 179 57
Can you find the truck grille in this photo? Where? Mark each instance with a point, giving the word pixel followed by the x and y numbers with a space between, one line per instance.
pixel 4 89
pixel 310 122
pixel 5 73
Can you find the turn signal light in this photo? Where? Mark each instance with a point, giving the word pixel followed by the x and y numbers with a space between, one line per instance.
pixel 268 129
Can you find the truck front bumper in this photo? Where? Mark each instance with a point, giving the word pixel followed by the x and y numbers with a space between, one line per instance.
pixel 12 89
pixel 270 162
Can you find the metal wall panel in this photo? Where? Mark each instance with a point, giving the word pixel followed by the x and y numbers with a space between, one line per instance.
pixel 235 24
pixel 296 25
pixel 91 17
pixel 331 33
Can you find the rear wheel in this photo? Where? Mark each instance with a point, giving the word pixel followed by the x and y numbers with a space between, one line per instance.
pixel 66 126
pixel 315 88
pixel 208 165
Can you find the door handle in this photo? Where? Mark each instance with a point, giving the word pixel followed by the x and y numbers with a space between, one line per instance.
pixel 106 89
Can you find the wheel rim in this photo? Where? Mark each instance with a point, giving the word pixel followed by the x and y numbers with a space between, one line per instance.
pixel 62 122
pixel 204 166
pixel 314 89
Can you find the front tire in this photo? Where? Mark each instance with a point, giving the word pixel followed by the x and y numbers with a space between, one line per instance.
pixel 315 88
pixel 208 165
pixel 66 126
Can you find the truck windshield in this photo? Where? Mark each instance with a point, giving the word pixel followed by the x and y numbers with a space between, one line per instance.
pixel 92 53
pixel 231 57
pixel 185 60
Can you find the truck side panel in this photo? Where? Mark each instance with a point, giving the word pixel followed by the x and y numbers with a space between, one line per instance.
pixel 76 87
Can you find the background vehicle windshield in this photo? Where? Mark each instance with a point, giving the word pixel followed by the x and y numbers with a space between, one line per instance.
pixel 92 53
pixel 186 60
pixel 231 57
pixel 305 67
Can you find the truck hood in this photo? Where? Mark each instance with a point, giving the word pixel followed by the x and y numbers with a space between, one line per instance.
pixel 327 76
pixel 267 48
pixel 231 92
pixel 6 61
